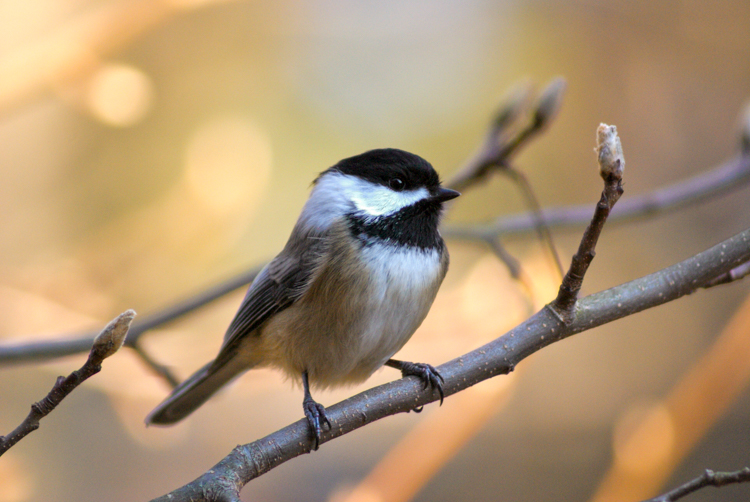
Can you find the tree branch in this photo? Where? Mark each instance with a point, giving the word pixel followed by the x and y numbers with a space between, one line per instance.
pixel 727 177
pixel 105 345
pixel 611 167
pixel 731 175
pixel 500 143
pixel 720 180
pixel 708 478
pixel 224 481
pixel 49 349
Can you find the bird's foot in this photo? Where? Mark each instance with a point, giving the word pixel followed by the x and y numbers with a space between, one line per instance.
pixel 426 372
pixel 316 418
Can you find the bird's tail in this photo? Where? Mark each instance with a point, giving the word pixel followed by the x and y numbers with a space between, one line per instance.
pixel 193 392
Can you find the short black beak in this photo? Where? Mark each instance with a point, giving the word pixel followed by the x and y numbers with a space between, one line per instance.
pixel 444 194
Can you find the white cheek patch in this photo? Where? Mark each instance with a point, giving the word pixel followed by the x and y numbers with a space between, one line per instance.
pixel 377 200
pixel 336 194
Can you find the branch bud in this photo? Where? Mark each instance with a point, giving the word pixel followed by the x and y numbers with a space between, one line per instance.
pixel 549 102
pixel 512 105
pixel 609 152
pixel 113 335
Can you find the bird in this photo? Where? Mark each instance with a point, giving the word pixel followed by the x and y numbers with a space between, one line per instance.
pixel 355 280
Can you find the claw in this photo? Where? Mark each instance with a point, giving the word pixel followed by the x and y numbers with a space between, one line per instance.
pixel 426 372
pixel 314 412
pixel 316 418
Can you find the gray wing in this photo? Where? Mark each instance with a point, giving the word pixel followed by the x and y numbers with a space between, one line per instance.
pixel 282 282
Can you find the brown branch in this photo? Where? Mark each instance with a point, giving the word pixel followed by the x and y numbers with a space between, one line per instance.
pixel 15 353
pixel 499 143
pixel 158 368
pixel 718 181
pixel 224 481
pixel 708 478
pixel 510 262
pixel 540 225
pixel 105 344
pixel 725 178
pixel 611 166
pixel 722 179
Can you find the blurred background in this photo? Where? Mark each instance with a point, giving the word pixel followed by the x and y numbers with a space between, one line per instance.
pixel 151 149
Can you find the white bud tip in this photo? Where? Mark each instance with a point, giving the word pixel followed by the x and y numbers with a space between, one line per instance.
pixel 609 152
pixel 113 335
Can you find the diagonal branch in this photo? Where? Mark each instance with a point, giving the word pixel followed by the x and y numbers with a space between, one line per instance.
pixel 50 349
pixel 611 166
pixel 708 478
pixel 246 462
pixel 499 143
pixel 731 175
pixel 723 179
pixel 105 345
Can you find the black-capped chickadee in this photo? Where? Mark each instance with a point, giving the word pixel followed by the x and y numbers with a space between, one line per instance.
pixel 355 280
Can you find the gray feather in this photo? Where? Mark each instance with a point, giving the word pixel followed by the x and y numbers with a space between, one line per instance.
pixel 193 392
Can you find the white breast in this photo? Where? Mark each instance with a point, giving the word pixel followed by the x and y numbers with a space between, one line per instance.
pixel 345 327
pixel 405 283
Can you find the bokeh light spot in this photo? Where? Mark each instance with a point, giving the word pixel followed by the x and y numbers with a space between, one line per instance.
pixel 644 437
pixel 15 478
pixel 490 300
pixel 228 164
pixel 119 94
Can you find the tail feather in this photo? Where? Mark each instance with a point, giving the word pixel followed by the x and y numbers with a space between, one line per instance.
pixel 193 392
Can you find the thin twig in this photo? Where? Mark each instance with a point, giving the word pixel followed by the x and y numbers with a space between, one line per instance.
pixel 13 353
pixel 160 369
pixel 541 227
pixel 225 480
pixel 611 166
pixel 510 262
pixel 105 345
pixel 179 309
pixel 497 149
pixel 727 177
pixel 708 478
pixel 517 273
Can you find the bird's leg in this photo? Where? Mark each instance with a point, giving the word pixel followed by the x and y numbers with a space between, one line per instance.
pixel 426 372
pixel 314 412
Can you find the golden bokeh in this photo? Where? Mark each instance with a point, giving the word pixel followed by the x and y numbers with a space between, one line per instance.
pixel 15 479
pixel 119 95
pixel 228 164
pixel 644 437
pixel 150 149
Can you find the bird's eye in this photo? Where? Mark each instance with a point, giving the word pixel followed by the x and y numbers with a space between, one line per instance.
pixel 396 184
